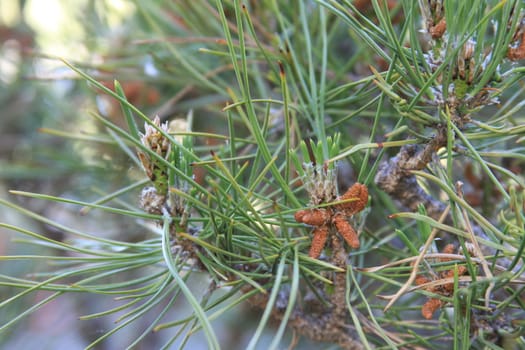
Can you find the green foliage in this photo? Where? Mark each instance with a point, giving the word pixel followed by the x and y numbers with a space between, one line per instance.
pixel 273 94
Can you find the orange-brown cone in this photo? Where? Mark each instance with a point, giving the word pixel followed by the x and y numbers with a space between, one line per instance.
pixel 346 231
pixel 318 241
pixel 314 217
pixel 358 196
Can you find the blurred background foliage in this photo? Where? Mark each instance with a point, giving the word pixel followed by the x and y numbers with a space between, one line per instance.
pixel 39 97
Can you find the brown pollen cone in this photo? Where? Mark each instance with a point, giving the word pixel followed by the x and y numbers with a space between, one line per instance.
pixel 439 29
pixel 313 217
pixel 318 241
pixel 357 197
pixel 518 52
pixel 346 230
pixel 448 249
pixel 430 307
pixel 449 287
pixel 433 304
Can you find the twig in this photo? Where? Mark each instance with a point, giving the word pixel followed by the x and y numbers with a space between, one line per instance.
pixel 394 176
pixel 321 323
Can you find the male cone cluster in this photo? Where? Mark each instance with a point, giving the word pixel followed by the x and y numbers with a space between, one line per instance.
pixel 335 216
